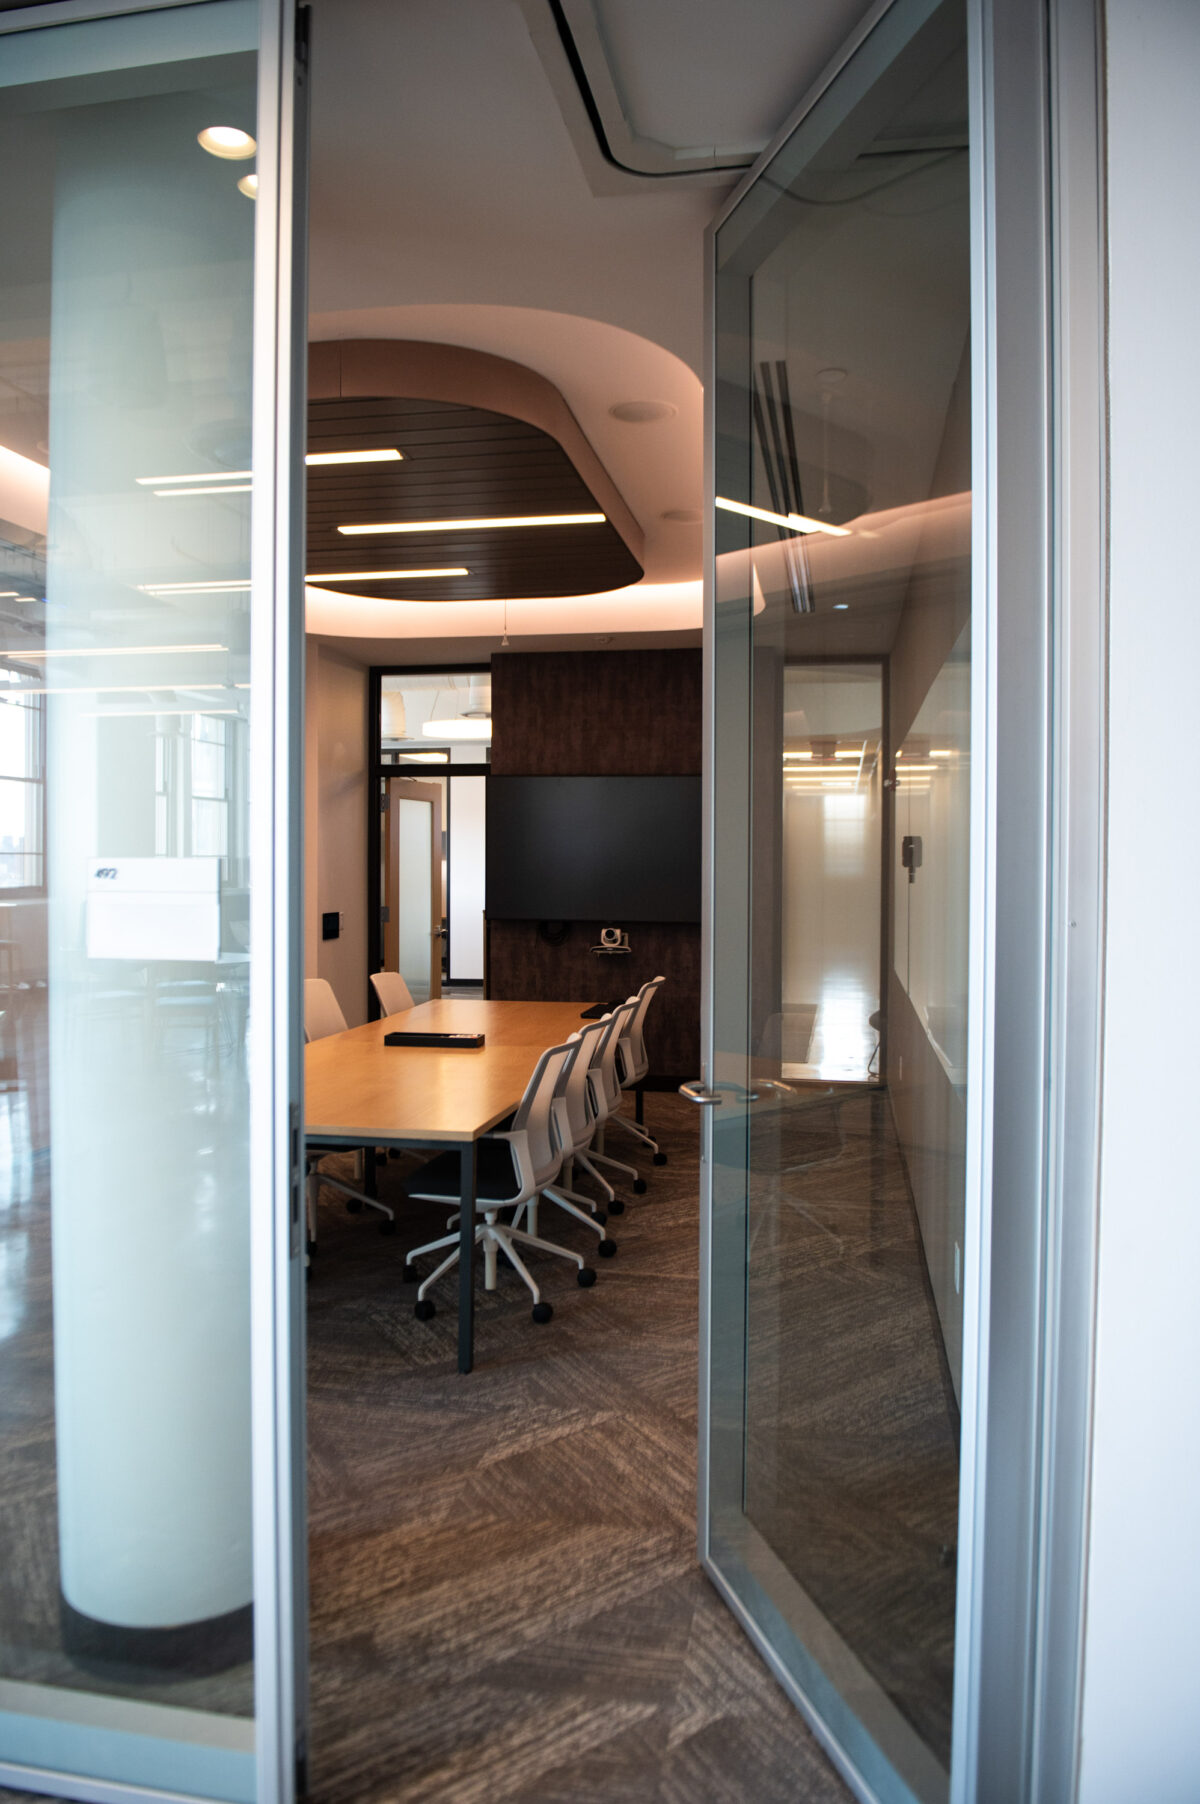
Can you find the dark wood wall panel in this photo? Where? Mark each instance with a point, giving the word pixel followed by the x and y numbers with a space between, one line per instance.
pixel 597 714
pixel 524 966
pixel 602 714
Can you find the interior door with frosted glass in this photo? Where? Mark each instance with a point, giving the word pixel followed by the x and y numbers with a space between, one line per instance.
pixel 839 730
pixel 414 930
pixel 151 1514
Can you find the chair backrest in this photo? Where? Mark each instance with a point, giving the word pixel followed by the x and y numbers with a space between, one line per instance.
pixel 574 1110
pixel 535 1146
pixel 602 1069
pixel 322 1016
pixel 631 1049
pixel 391 991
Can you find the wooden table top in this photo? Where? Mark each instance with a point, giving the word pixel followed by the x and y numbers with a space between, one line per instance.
pixel 357 1089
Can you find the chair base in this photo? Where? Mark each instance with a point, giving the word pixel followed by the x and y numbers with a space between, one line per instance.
pixel 494 1237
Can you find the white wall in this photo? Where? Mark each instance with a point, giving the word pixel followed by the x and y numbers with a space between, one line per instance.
pixel 1141 1705
pixel 336 765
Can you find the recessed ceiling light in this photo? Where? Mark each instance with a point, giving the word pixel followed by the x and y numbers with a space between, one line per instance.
pixel 354 457
pixel 643 413
pixel 226 141
pixel 683 516
pixel 840 607
pixel 383 576
pixel 486 525
pixel 248 185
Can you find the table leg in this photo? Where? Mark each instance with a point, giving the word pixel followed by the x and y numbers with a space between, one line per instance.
pixel 466 1255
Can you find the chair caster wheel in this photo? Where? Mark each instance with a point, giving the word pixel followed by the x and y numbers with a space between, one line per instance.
pixel 639 1186
pixel 600 1216
pixel 410 1274
pixel 660 1158
pixel 607 1249
pixel 541 1312
pixel 616 1207
pixel 585 1277
pixel 424 1310
pixel 387 1227
pixel 353 1206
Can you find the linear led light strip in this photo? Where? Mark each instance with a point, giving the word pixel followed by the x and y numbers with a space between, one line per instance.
pixel 790 522
pixel 121 651
pixel 222 478
pixel 485 525
pixel 231 586
pixel 382 576
pixel 150 713
pixel 128 689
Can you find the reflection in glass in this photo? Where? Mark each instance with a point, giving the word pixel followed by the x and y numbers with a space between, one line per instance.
pixel 126 299
pixel 842 679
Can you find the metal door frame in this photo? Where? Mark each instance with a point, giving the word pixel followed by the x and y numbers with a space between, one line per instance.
pixel 1037 920
pixel 277 890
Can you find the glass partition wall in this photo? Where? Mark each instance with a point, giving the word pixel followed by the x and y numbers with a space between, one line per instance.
pixel 840 739
pixel 139 1621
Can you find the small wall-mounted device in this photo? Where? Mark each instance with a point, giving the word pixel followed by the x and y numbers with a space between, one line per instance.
pixel 611 937
pixel 911 852
pixel 331 925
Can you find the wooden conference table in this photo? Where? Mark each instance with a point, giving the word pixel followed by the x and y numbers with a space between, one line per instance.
pixel 359 1092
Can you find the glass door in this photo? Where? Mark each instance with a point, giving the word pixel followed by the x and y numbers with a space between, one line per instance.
pixel 840 752
pixel 414 883
pixel 151 1541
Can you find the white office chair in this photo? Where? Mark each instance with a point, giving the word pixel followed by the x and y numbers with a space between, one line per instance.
pixel 322 1017
pixel 633 1065
pixel 391 992
pixel 605 1089
pixel 574 1119
pixel 513 1166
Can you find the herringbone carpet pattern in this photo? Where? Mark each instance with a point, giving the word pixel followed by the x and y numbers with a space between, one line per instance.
pixel 505 1594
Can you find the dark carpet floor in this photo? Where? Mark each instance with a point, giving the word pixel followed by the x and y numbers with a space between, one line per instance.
pixel 506 1602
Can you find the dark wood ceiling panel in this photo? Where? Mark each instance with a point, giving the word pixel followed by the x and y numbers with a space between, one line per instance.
pixel 459 463
pixel 480 436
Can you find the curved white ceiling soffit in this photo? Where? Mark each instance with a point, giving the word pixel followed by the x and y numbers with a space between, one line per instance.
pixel 656 465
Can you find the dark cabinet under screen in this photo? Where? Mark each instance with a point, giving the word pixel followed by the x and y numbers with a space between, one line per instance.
pixel 593 848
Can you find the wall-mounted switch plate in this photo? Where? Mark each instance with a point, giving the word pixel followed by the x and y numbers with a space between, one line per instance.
pixel 331 925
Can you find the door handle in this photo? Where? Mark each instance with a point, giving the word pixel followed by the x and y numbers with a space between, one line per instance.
pixel 709 1099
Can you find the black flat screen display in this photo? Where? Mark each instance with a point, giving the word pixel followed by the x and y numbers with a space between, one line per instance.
pixel 609 849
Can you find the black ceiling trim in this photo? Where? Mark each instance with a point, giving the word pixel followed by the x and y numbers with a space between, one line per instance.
pixel 571 52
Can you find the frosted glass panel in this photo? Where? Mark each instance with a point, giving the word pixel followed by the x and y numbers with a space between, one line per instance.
pixel 126 302
pixel 468 811
pixel 414 892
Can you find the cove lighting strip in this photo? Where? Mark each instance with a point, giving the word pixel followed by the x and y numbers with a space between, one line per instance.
pixel 383 576
pixel 480 525
pixel 790 522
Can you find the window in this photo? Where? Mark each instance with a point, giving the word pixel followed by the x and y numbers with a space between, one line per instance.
pixel 22 785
